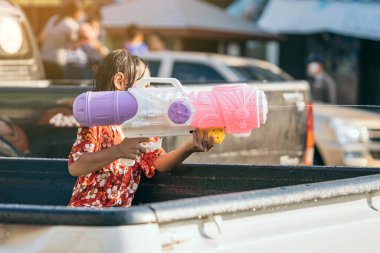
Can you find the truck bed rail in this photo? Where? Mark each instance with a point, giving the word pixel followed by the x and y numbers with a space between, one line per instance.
pixel 36 191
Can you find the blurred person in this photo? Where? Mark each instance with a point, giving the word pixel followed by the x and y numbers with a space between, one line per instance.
pixel 85 54
pixel 135 40
pixel 155 42
pixel 89 31
pixel 59 31
pixel 96 33
pixel 77 62
pixel 323 87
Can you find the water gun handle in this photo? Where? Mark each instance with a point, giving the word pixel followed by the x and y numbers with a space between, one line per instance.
pixel 150 146
pixel 217 133
pixel 128 162
pixel 173 81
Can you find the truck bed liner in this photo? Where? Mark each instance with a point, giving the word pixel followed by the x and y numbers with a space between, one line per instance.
pixel 36 191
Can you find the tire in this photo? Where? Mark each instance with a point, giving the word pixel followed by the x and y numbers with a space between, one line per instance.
pixel 7 149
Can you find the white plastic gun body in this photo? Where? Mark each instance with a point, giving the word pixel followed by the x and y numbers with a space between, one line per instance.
pixel 171 111
pixel 161 111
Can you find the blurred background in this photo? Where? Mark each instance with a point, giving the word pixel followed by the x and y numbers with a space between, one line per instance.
pixel 331 46
pixel 345 32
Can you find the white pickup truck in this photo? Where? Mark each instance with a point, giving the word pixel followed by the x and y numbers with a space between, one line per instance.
pixel 194 208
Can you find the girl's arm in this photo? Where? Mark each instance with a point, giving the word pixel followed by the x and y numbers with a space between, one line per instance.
pixel 93 161
pixel 199 144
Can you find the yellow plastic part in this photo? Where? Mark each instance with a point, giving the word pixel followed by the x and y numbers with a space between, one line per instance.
pixel 218 134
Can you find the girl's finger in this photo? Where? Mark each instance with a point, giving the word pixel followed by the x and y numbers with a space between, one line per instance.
pixel 211 143
pixel 143 149
pixel 134 153
pixel 198 137
pixel 205 141
pixel 202 140
pixel 131 155
pixel 205 137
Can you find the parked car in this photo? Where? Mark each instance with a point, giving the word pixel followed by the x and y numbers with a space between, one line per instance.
pixel 194 67
pixel 343 136
pixel 19 53
pixel 346 136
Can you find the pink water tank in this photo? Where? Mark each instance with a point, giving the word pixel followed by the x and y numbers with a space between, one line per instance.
pixel 237 108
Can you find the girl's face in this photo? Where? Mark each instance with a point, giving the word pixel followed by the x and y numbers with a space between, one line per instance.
pixel 120 80
pixel 146 74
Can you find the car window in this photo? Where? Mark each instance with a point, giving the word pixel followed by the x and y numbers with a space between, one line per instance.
pixel 154 66
pixel 253 73
pixel 195 73
pixel 14 43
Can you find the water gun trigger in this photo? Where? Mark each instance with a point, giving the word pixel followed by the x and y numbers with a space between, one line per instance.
pixel 217 133
pixel 151 145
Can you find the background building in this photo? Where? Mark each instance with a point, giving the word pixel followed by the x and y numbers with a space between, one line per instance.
pixel 345 33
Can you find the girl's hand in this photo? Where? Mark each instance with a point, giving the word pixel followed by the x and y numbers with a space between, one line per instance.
pixel 131 148
pixel 201 142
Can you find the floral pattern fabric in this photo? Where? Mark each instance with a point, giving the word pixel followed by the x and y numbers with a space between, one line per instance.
pixel 116 183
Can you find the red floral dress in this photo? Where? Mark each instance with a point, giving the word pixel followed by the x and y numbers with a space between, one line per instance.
pixel 115 184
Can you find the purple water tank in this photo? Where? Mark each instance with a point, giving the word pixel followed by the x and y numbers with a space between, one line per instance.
pixel 104 108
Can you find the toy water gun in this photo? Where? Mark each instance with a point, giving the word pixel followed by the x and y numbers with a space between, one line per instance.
pixel 172 111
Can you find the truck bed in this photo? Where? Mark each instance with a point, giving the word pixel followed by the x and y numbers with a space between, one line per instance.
pixel 195 208
pixel 43 187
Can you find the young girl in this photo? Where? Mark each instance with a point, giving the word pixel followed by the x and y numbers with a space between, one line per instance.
pixel 103 179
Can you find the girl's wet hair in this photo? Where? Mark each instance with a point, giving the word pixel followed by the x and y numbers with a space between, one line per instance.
pixel 132 66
